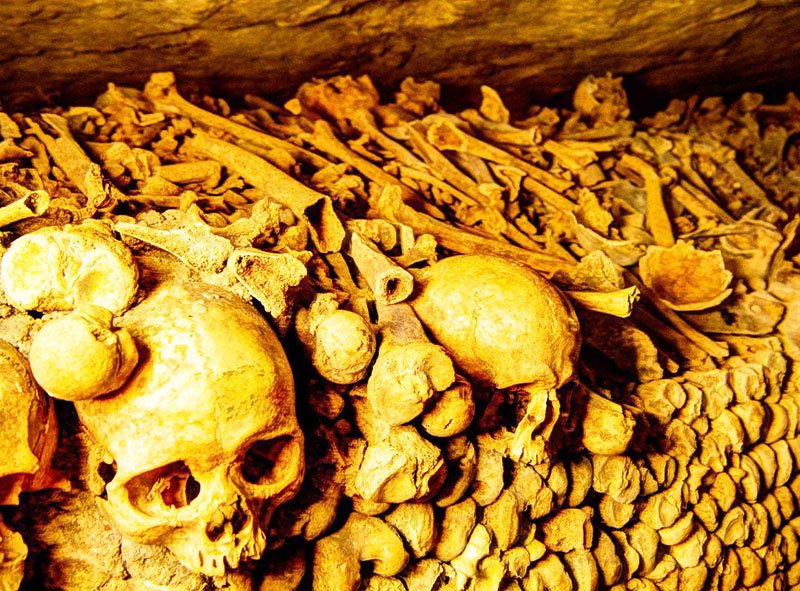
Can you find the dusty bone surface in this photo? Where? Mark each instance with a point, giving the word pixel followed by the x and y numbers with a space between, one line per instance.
pixel 590 385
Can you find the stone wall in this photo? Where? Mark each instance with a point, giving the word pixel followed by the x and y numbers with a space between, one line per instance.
pixel 530 49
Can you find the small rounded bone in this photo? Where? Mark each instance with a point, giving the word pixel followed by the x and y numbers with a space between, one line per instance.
pixel 677 532
pixel 456 527
pixel 567 530
pixel 549 573
pixel 583 568
pixel 453 411
pixel 608 559
pixel 502 520
pixel 607 426
pixel 580 480
pixel 81 355
pixel 462 465
pixel 415 522
pixel 338 557
pixel 344 347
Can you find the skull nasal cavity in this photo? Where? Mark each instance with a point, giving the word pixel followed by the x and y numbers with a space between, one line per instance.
pixel 232 515
pixel 107 471
pixel 178 487
pixel 171 486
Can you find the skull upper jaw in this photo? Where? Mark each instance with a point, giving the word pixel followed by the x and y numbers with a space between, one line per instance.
pixel 211 519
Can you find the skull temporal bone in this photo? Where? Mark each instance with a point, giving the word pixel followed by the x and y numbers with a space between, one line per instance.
pixel 204 434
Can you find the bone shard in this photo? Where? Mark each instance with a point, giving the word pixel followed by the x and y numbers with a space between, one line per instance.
pixel 33 204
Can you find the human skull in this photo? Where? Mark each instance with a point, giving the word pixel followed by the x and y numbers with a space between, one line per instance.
pixel 204 437
pixel 28 428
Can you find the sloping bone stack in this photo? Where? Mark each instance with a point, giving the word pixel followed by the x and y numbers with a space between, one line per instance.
pixel 551 350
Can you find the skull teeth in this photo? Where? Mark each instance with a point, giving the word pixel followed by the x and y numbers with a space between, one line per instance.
pixel 219 564
pixel 231 561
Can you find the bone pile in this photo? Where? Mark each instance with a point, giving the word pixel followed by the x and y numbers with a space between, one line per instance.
pixel 628 423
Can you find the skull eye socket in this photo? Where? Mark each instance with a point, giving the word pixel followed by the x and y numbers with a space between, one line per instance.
pixel 271 461
pixel 171 486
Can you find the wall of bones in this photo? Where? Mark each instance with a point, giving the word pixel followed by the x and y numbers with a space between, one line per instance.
pixel 271 323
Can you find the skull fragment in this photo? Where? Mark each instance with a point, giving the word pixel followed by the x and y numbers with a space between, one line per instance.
pixel 204 438
pixel 28 429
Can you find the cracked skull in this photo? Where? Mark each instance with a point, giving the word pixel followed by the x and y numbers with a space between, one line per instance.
pixel 204 438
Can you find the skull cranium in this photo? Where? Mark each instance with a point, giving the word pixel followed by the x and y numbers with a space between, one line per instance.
pixel 204 437
pixel 28 429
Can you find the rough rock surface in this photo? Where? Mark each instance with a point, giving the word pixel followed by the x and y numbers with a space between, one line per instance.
pixel 540 48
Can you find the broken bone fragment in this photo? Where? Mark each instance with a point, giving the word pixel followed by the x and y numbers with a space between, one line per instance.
pixel 33 204
pixel 57 268
pixel 389 282
pixel 207 491
pixel 82 355
pixel 193 244
pixel 616 303
pixel 686 278
pixel 271 278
